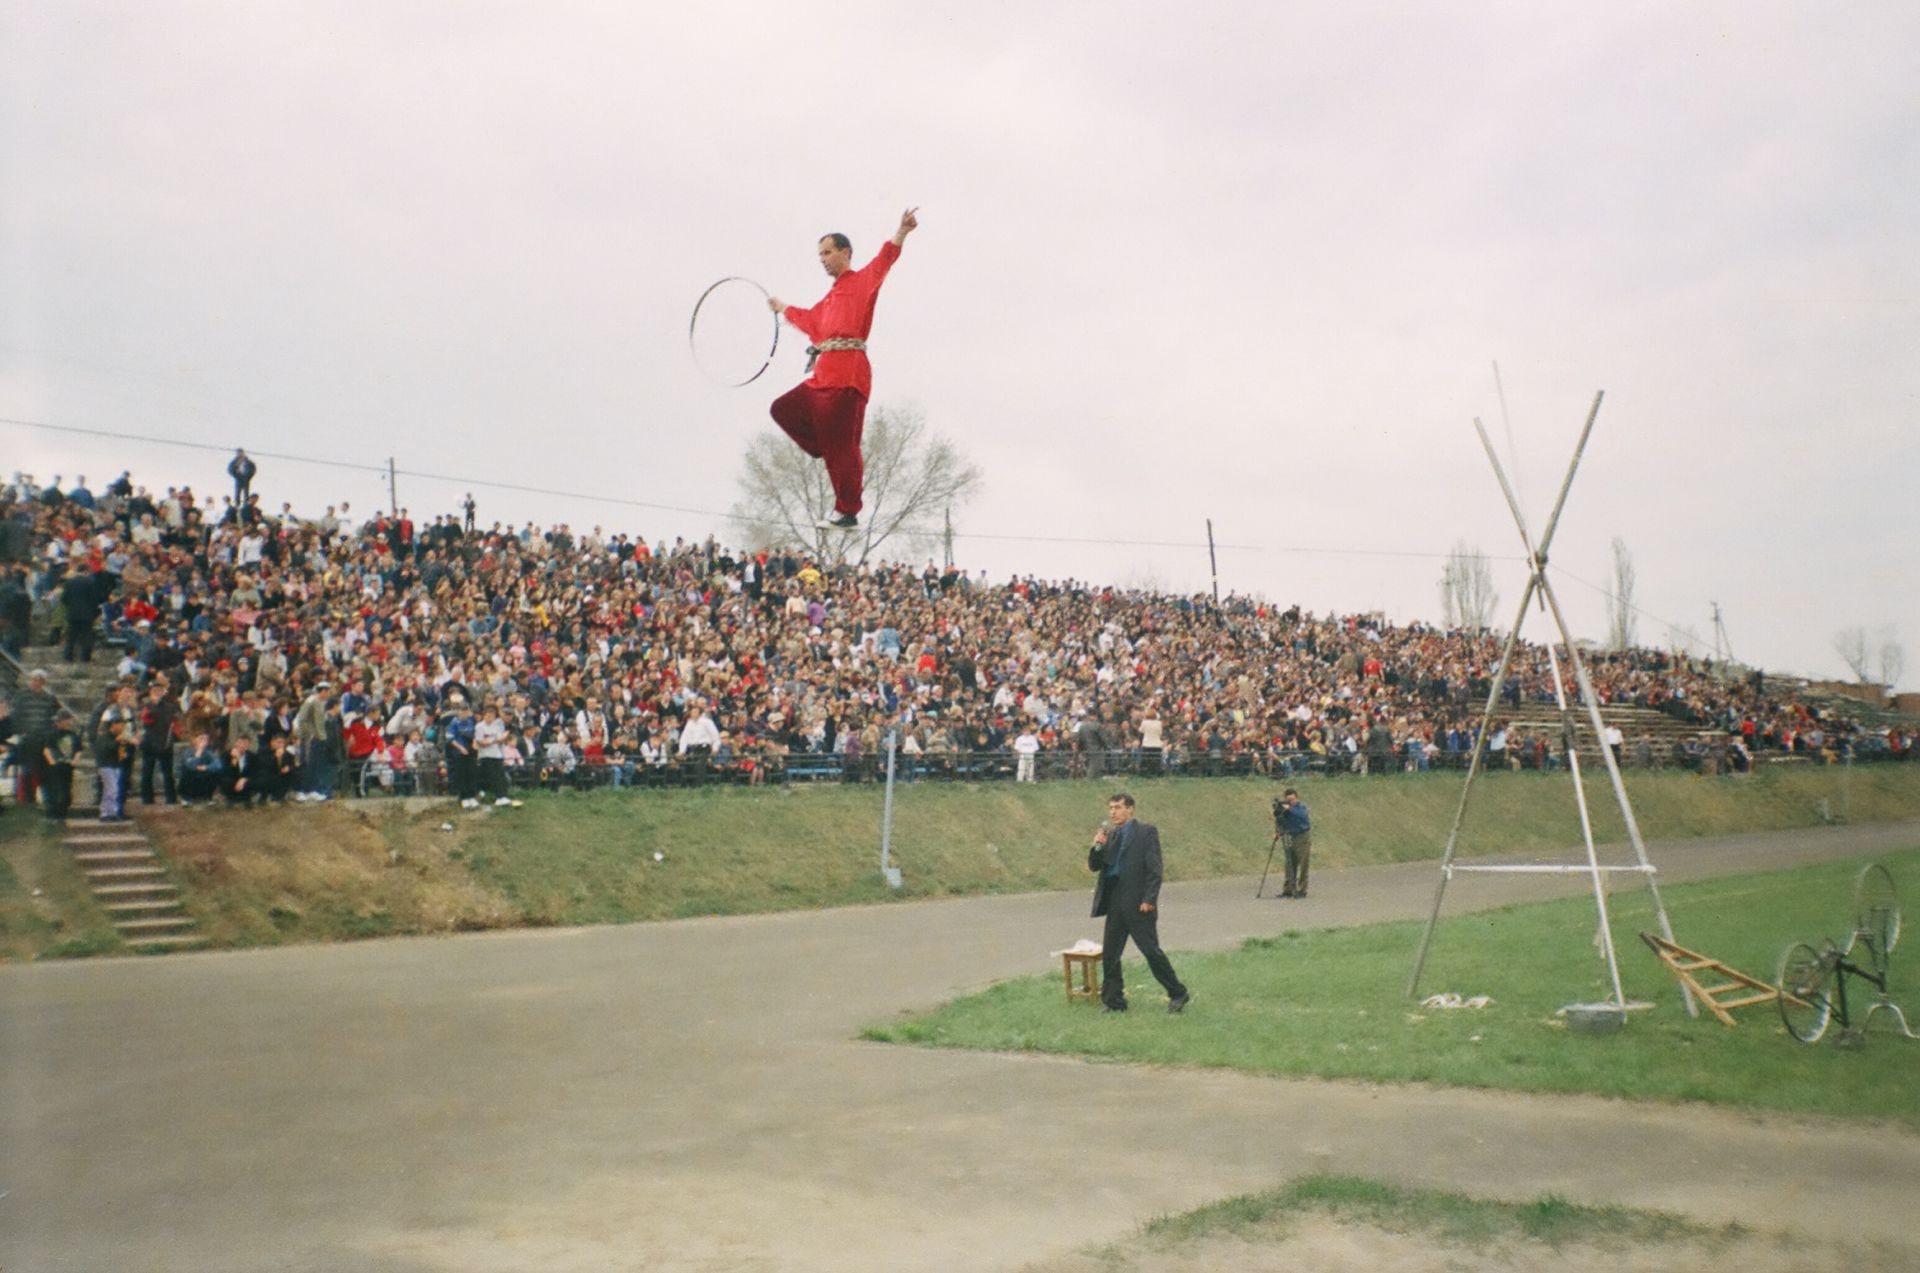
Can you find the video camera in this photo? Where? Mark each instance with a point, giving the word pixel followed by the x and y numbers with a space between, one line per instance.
pixel 1279 813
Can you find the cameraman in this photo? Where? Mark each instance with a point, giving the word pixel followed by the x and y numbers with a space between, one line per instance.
pixel 1294 830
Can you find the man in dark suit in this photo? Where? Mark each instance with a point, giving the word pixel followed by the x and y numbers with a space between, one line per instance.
pixel 1126 857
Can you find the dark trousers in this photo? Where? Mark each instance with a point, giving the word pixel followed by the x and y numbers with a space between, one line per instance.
pixel 827 424
pixel 56 788
pixel 493 776
pixel 463 774
pixel 1299 849
pixel 1144 928
pixel 162 761
pixel 79 644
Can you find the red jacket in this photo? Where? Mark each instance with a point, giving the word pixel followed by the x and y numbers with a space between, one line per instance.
pixel 846 310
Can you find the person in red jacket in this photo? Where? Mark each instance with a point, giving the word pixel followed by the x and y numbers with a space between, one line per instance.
pixel 826 413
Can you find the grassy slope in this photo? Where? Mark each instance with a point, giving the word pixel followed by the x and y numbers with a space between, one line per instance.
pixel 339 872
pixel 45 908
pixel 1332 1004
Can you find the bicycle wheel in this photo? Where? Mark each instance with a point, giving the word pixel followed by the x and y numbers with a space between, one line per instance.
pixel 1876 908
pixel 1806 992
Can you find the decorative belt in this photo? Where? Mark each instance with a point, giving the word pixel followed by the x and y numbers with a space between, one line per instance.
pixel 832 345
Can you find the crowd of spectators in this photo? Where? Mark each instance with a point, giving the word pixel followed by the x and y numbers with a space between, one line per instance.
pixel 266 655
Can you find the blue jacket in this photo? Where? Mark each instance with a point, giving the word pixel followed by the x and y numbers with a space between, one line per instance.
pixel 1294 820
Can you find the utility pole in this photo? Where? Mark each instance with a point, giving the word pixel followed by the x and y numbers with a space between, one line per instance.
pixel 393 489
pixel 888 871
pixel 1213 562
pixel 1722 644
pixel 949 537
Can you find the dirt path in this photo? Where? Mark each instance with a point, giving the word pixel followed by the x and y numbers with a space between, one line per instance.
pixel 689 1096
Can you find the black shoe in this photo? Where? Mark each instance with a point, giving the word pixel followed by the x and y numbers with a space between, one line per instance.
pixel 1301 894
pixel 1107 1007
pixel 1287 892
pixel 1176 1006
pixel 846 521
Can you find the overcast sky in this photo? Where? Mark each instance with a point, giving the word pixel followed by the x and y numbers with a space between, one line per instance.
pixel 1248 262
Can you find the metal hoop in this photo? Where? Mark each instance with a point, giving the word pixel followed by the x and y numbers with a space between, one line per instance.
pixel 693 325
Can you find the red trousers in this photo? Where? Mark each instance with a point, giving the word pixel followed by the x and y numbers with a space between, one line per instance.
pixel 826 424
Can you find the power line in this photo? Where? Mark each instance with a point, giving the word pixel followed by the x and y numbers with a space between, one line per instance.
pixel 1609 594
pixel 191 446
pixel 625 501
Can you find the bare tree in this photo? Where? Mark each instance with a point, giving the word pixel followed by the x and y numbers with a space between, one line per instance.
pixel 1467 595
pixel 1893 658
pixel 912 477
pixel 1851 645
pixel 1620 611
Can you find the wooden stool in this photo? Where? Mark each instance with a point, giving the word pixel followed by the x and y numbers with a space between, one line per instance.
pixel 1089 962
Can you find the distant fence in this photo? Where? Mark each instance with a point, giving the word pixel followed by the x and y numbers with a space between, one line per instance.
pixel 376 779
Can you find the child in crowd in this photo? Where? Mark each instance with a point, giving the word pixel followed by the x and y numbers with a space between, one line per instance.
pixel 114 754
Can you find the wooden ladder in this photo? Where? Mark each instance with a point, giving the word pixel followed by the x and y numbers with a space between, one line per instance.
pixel 1683 963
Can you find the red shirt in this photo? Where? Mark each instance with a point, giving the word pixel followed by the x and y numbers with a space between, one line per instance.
pixel 846 310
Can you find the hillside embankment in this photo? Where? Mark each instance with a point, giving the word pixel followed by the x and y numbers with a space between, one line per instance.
pixel 351 870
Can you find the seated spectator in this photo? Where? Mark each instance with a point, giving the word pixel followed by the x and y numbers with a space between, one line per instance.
pixel 280 769
pixel 242 777
pixel 200 769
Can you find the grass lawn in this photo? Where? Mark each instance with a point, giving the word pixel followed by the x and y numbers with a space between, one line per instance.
pixel 1345 1222
pixel 1331 1004
pixel 372 868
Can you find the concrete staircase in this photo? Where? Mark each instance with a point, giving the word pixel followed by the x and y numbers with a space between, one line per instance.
pixel 130 882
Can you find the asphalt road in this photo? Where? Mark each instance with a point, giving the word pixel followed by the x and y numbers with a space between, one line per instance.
pixel 690 1096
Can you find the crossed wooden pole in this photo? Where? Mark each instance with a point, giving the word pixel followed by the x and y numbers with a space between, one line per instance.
pixel 1539 587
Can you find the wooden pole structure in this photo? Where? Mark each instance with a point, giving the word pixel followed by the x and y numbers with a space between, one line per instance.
pixel 1538 585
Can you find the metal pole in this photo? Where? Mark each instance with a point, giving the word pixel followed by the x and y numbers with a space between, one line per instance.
pixel 949 537
pixel 1213 562
pixel 887 869
pixel 1586 820
pixel 1591 700
pixel 393 488
pixel 1466 791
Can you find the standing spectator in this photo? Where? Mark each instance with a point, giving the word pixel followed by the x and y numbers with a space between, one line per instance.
pixel 33 710
pixel 363 743
pixel 16 612
pixel 159 726
pixel 1026 747
pixel 490 744
pixel 1152 741
pixel 58 747
pixel 468 508
pixel 310 734
pixel 80 598
pixel 698 740
pixel 463 767
pixel 1379 748
pixel 241 469
pixel 1617 744
pixel 114 754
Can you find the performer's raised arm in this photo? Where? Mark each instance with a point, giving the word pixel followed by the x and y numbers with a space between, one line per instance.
pixel 909 222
